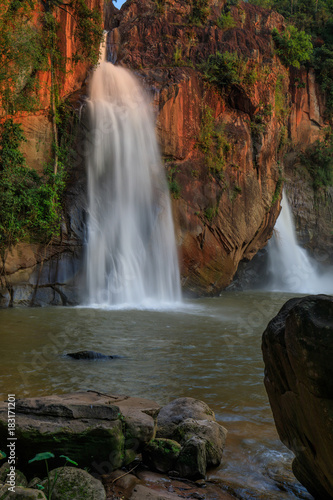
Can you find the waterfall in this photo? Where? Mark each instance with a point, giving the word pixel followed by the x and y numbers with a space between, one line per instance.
pixel 131 250
pixel 291 268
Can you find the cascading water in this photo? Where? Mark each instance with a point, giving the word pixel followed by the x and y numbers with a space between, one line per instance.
pixel 291 268
pixel 131 250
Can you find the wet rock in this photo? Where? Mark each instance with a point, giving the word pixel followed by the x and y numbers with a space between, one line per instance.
pixel 192 424
pixel 210 432
pixel 298 350
pixel 89 355
pixel 73 483
pixel 144 493
pixel 192 461
pixel 174 413
pixel 161 454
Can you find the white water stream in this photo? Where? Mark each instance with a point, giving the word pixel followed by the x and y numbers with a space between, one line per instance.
pixel 131 252
pixel 291 268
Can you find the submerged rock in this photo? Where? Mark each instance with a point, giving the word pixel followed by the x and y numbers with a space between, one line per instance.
pixel 89 355
pixel 298 351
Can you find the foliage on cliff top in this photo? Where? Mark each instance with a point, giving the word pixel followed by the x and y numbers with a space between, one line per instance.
pixel 315 18
pixel 29 203
pixel 28 46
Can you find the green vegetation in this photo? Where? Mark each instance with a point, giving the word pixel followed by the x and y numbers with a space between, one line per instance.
pixel 46 456
pixel 225 21
pixel 174 186
pixel 292 46
pixel 279 186
pixel 224 69
pixel 27 47
pixel 318 160
pixel 200 11
pixel 281 110
pixel 30 204
pixel 315 19
pixel 213 143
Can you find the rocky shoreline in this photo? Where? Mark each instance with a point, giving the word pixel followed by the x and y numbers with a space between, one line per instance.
pixel 111 437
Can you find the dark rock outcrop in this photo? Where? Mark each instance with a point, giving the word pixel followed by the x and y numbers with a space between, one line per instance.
pixel 298 351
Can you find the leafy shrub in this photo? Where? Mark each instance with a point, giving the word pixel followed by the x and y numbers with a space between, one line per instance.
pixel 200 11
pixel 213 142
pixel 292 46
pixel 226 21
pixel 29 203
pixel 224 69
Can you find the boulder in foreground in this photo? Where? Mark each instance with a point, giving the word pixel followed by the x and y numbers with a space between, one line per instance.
pixel 298 351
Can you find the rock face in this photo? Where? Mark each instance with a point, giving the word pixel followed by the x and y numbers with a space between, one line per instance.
pixel 297 348
pixel 227 216
pixel 223 149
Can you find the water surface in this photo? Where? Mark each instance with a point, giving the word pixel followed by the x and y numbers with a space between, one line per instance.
pixel 208 349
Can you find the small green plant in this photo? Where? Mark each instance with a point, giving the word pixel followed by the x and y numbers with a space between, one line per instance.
pixel 258 125
pixel 174 186
pixel 226 21
pixel 2 455
pixel 213 142
pixel 279 186
pixel 160 5
pixel 200 12
pixel 292 46
pixel 177 56
pixel 281 110
pixel 46 456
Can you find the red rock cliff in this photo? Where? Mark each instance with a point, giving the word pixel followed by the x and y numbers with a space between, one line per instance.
pixel 227 214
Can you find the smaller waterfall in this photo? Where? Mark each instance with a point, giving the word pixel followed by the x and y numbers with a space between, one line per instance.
pixel 291 268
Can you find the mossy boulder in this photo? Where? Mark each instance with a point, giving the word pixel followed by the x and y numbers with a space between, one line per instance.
pixel 74 484
pixel 178 410
pixel 161 454
pixel 192 424
pixel 192 461
pixel 210 432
